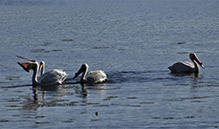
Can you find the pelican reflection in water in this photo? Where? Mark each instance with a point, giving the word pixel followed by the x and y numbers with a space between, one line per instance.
pixel 187 67
pixel 92 77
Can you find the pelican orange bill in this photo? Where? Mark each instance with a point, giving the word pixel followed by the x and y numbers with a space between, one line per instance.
pixel 24 66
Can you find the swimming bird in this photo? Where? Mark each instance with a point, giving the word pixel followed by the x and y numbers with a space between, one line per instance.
pixel 92 77
pixel 187 67
pixel 53 77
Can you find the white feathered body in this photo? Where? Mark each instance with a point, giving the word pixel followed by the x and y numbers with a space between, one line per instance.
pixel 56 76
pixel 95 76
pixel 183 67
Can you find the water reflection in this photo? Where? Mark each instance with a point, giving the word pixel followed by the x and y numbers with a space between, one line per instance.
pixel 32 104
pixel 53 89
pixel 195 75
pixel 83 92
pixel 94 85
pixel 39 95
pixel 184 79
pixel 86 86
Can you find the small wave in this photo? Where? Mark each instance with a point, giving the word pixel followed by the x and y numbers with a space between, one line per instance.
pixel 24 2
pixel 39 51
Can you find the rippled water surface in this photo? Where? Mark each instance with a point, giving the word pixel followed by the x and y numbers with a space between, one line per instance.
pixel 132 41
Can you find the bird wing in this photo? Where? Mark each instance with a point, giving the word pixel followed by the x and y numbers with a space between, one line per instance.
pixel 53 76
pixel 179 67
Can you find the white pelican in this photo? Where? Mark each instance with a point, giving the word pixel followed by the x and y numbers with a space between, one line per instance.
pixel 53 77
pixel 97 76
pixel 187 67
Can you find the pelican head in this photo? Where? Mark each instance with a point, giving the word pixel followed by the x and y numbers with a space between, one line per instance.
pixel 42 64
pixel 193 57
pixel 83 69
pixel 28 66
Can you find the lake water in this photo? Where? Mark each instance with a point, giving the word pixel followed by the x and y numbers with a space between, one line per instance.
pixel 133 41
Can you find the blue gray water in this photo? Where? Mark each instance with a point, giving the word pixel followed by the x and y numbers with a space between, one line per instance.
pixel 132 41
